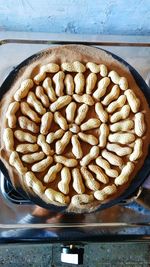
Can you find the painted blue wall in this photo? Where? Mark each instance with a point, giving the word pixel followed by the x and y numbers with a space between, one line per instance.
pixel 76 16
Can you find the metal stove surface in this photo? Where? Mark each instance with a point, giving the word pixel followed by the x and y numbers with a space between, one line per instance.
pixel 24 221
pixel 21 220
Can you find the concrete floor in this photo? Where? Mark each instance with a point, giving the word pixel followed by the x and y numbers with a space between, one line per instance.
pixel 103 255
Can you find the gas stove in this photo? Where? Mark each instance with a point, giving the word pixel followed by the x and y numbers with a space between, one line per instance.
pixel 23 221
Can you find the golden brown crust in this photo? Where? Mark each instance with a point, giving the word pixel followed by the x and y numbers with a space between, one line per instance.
pixel 60 55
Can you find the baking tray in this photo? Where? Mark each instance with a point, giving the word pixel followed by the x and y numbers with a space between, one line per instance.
pixel 131 219
pixel 142 173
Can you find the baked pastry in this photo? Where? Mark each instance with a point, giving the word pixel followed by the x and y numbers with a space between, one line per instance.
pixel 74 127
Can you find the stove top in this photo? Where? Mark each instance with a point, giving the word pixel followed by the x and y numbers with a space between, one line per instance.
pixel 28 222
pixel 23 221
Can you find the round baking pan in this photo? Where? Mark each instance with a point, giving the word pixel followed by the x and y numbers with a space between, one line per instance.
pixel 136 181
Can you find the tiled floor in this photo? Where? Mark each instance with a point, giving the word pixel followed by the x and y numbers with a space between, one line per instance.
pixel 96 255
